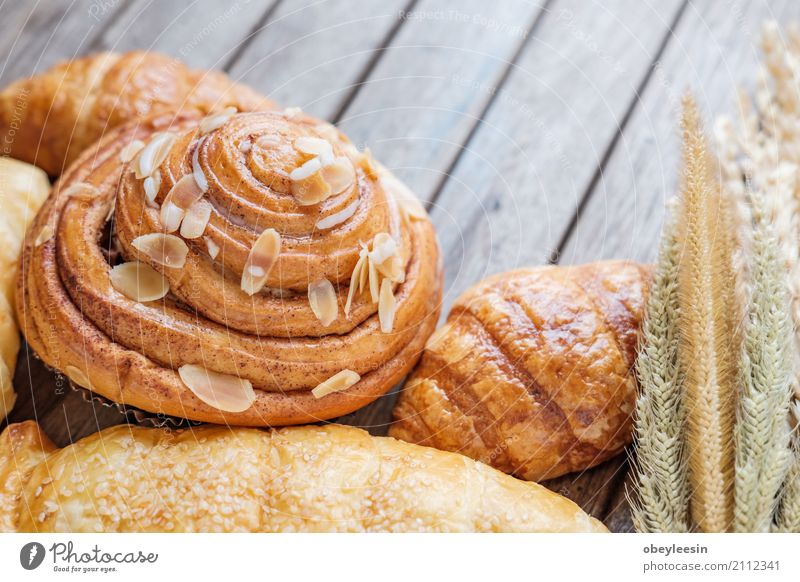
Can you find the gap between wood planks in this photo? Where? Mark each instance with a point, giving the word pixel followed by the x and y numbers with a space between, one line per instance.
pixel 598 173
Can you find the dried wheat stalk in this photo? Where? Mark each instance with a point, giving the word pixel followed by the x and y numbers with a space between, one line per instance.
pixel 662 501
pixel 705 340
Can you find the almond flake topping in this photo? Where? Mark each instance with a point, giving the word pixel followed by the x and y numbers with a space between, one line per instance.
pixel 152 184
pixel 387 306
pixel 338 218
pixel 179 199
pixel 139 281
pixel 78 376
pixel 154 153
pixel 213 248
pixel 315 146
pixel 129 151
pixel 322 298
pixel 292 112
pixel 45 235
pixel 215 121
pixel 336 383
pixel 196 219
pixel 197 171
pixel 245 146
pixel 163 249
pixel 262 257
pixel 378 267
pixel 322 176
pixel 221 391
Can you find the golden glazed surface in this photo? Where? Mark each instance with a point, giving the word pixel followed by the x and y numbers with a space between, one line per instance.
pixel 532 373
pixel 50 119
pixel 217 479
pixel 130 351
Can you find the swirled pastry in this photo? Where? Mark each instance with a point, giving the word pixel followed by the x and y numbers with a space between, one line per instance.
pixel 217 479
pixel 532 373
pixel 51 118
pixel 23 189
pixel 244 268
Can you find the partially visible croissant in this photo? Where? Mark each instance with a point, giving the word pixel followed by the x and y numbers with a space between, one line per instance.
pixel 49 119
pixel 311 478
pixel 532 373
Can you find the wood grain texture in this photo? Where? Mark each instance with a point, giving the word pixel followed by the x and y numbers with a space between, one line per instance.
pixel 715 51
pixel 202 33
pixel 312 54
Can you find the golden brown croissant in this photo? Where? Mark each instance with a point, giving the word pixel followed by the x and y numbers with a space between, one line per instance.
pixel 532 373
pixel 49 119
pixel 253 269
pixel 23 189
pixel 331 478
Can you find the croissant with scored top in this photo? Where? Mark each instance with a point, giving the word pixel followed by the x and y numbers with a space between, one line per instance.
pixel 532 373
pixel 244 268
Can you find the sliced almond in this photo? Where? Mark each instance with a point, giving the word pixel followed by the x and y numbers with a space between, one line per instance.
pixel 154 153
pixel 387 306
pixel 214 122
pixel 384 247
pixel 362 278
pixel 322 298
pixel 163 249
pixel 308 186
pixel 129 151
pixel 328 131
pixel 292 112
pixel 338 218
pixel 213 248
pixel 339 174
pixel 268 141
pixel 354 279
pixel 336 383
pixel 139 281
pixel 222 391
pixel 367 164
pixel 45 235
pixel 245 146
pixel 152 184
pixel 185 192
pixel 317 147
pixel 262 257
pixel 80 190
pixel 197 171
pixel 196 220
pixel 79 377
pixel 171 216
pixel 373 282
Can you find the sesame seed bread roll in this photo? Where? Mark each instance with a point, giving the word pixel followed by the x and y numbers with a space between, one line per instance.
pixel 51 118
pixel 533 371
pixel 253 269
pixel 218 479
pixel 23 189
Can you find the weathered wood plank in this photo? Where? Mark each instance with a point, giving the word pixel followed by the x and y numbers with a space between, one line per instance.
pixel 312 54
pixel 715 51
pixel 47 32
pixel 202 33
pixel 428 91
pixel 519 180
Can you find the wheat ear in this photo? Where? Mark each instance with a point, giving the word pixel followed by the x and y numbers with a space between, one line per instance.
pixel 762 432
pixel 660 477
pixel 705 343
pixel 787 519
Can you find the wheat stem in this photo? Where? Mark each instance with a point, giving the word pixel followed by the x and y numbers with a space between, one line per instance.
pixel 660 477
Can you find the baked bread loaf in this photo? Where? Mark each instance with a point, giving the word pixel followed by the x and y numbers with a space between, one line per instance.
pixel 251 269
pixel 23 189
pixel 532 373
pixel 218 479
pixel 49 119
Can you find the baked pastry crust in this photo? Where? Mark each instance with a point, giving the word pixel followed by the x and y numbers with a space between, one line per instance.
pixel 132 352
pixel 51 118
pixel 532 373
pixel 218 479
pixel 23 189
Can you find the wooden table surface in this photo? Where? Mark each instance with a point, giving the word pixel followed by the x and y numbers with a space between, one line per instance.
pixel 534 131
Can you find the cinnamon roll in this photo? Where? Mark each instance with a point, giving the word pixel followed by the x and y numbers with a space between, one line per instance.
pixel 245 268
